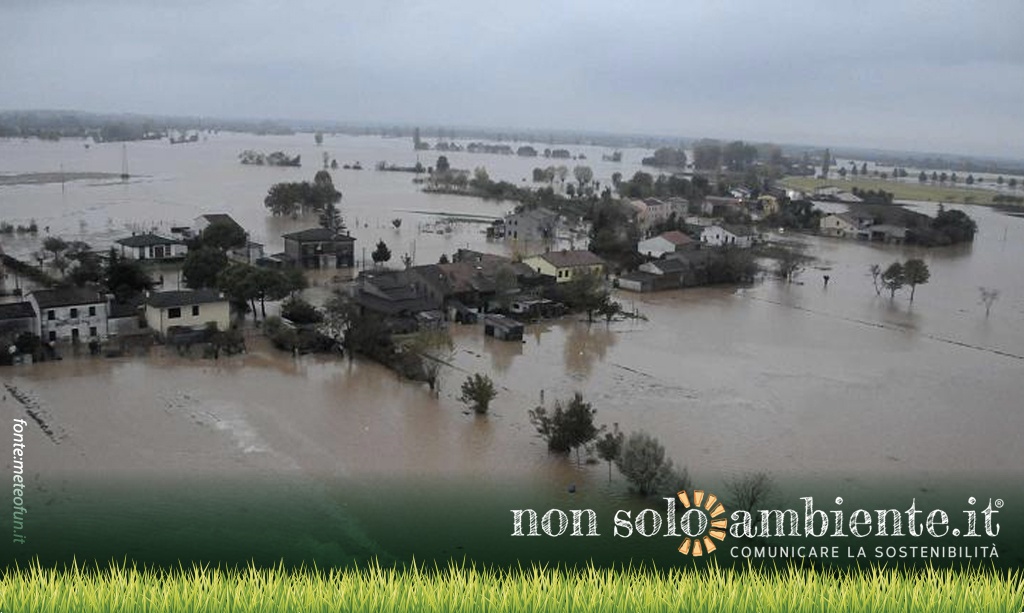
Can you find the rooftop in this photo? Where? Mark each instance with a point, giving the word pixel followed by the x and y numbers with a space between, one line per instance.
pixel 318 234
pixel 571 259
pixel 177 298
pixel 676 237
pixel 16 310
pixel 66 296
pixel 146 240
pixel 671 265
pixel 219 217
pixel 737 230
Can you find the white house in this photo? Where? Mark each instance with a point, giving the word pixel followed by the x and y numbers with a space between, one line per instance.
pixel 844 225
pixel 187 309
pixel 151 247
pixel 728 235
pixel 666 242
pixel 70 313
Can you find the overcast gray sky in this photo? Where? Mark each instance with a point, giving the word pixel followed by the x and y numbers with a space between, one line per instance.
pixel 917 75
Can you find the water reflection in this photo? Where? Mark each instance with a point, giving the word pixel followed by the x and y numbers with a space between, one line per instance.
pixel 585 345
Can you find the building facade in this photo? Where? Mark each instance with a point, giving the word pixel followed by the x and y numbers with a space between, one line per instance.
pixel 70 314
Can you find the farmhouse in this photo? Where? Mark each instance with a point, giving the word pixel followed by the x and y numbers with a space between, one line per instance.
pixel 564 265
pixel 186 310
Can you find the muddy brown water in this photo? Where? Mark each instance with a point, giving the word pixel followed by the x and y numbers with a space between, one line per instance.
pixel 798 379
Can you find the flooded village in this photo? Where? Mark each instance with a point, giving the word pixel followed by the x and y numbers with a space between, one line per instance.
pixel 239 339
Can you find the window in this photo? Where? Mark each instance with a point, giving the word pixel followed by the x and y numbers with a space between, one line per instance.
pixel 53 334
pixel 92 312
pixel 195 310
pixel 174 313
pixel 92 331
pixel 51 315
pixel 73 313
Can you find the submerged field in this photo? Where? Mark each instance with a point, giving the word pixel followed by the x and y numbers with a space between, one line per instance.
pixel 458 588
pixel 927 192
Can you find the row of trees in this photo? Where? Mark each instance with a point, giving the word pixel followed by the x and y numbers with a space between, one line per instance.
pixel 897 275
pixel 302 197
pixel 640 457
pixel 570 427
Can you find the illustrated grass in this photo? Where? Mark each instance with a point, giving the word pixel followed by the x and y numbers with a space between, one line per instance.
pixel 455 588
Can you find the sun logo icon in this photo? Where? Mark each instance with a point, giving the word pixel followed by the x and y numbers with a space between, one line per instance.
pixel 703 522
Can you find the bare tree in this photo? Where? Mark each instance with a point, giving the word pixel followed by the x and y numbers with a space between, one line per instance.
pixel 876 277
pixel 750 492
pixel 988 296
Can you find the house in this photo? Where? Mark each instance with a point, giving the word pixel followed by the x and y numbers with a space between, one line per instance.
pixel 842 225
pixel 564 265
pixel 503 328
pixel 666 242
pixel 126 318
pixel 317 248
pixel 397 296
pixel 203 221
pixel 651 211
pixel 538 224
pixel 251 253
pixel 636 282
pixel 536 308
pixel 168 312
pixel 721 205
pixel 728 235
pixel 151 246
pixel 475 280
pixel 888 233
pixel 17 318
pixel 70 313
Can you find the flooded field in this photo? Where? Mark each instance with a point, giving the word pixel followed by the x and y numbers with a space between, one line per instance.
pixel 804 381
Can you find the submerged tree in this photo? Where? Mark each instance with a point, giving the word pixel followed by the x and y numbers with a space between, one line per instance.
pixel 894 278
pixel 569 427
pixel 644 463
pixel 915 272
pixel 876 278
pixel 478 392
pixel 988 297
pixel 609 447
pixel 381 254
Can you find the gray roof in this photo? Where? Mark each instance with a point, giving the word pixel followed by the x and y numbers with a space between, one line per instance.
pixel 317 234
pixel 177 298
pixel 66 296
pixel 737 230
pixel 671 265
pixel 220 217
pixel 146 240
pixel 16 310
pixel 571 259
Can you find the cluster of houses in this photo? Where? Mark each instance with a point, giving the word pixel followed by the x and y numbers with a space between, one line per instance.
pixel 313 248
pixel 472 287
pixel 84 314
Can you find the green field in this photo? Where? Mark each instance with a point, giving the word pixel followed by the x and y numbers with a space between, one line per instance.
pixel 456 588
pixel 901 191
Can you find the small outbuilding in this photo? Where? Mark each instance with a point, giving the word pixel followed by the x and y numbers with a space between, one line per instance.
pixel 503 328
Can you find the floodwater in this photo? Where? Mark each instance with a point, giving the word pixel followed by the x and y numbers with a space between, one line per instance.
pixel 797 379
